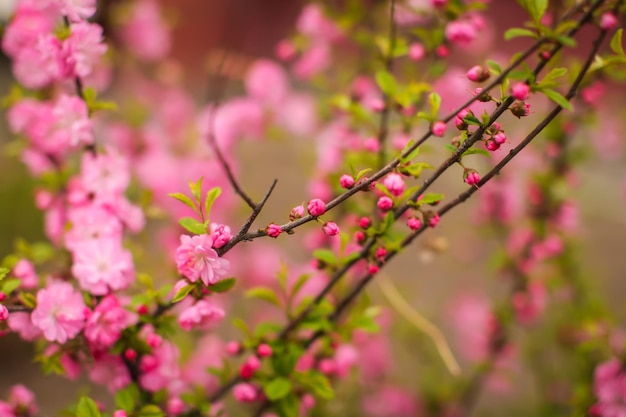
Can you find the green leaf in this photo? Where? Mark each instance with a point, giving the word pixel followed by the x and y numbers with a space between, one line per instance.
pixel 431 198
pixel 535 8
pixel 386 82
pixel 4 272
pixel 150 410
pixel 127 398
pixel 302 279
pixel 434 100
pixel 494 66
pixel 361 173
pixel 265 294
pixel 211 196
pixel 10 285
pixel 326 256
pixel 567 41
pixel 192 225
pixel 616 43
pixel 284 361
pixel 87 408
pixel 517 32
pixel 288 406
pixel 265 328
pixel 317 384
pixel 558 99
pixel 478 151
pixel 183 292
pixel 28 299
pixel 411 155
pixel 223 285
pixel 472 120
pixel 277 388
pixel 549 80
pixel 196 189
pixel 184 199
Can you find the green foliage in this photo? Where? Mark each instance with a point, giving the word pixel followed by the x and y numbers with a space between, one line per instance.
pixel 223 285
pixel 87 408
pixel 277 388
pixel 127 398
pixel 265 294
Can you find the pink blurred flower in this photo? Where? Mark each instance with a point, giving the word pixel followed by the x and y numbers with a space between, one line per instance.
pixel 331 229
pixel 245 393
pixel 460 32
pixel 83 49
pixel 267 82
pixel 60 312
pixel 40 64
pixel 160 369
pixel 609 387
pixel 105 325
pixel 200 315
pixel 25 271
pixel 197 260
pixel 220 233
pixel 20 322
pixel 439 128
pixel 145 32
pixel 110 371
pixel 395 184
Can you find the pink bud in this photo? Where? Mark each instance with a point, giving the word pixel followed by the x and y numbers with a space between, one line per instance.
pixel 130 354
pixel 416 51
pixel 175 406
pixel 364 222
pixel 520 91
pixel 346 181
pixel 249 367
pixel 478 74
pixel 119 413
pixel 442 51
pixel 316 207
pixel 439 128
pixel 264 350
pixel 499 138
pixel 233 348
pixel 359 237
pixel 472 177
pixel 4 313
pixel 331 228
pixel 142 309
pixel 492 146
pixel 434 220
pixel 395 184
pixel 371 145
pixel 414 223
pixel 372 269
pixel 245 393
pixel 376 105
pixel 273 230
pixel 154 340
pixel 296 213
pixel 381 253
pixel 3 296
pixel 285 50
pixel 327 366
pixel 385 203
pixel 438 3
pixel 608 21
pixel 308 401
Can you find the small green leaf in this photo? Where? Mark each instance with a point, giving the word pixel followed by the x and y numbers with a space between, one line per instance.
pixel 472 120
pixel 265 328
pixel 28 299
pixel 192 225
pixel 184 199
pixel 223 285
pixel 388 222
pixel 10 285
pixel 567 41
pixel 494 66
pixel 277 388
pixel 431 198
pixel 87 408
pixel 478 151
pixel 517 32
pixel 4 272
pixel 183 292
pixel 411 155
pixel 196 189
pixel 127 398
pixel 265 294
pixel 386 82
pixel 361 173
pixel 558 99
pixel 616 43
pixel 434 100
pixel 318 384
pixel 326 256
pixel 150 410
pixel 211 196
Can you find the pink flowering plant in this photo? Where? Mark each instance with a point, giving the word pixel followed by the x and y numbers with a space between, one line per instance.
pixel 162 277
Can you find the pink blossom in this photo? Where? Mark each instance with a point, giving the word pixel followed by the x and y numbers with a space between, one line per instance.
pixel 145 32
pixel 609 387
pixel 104 326
pixel 414 223
pixel 478 74
pixel 385 203
pixel 160 369
pixel 264 350
pixel 296 213
pixel 233 347
pixel 220 233
pixel 27 25
pixel 434 220
pixel 60 312
pixel 4 312
pixel 608 21
pixel 460 32
pixel 72 124
pixel 77 10
pixel 312 22
pixel 472 178
pixel 520 91
pixel 103 265
pixel 83 49
pixel 316 207
pixel 365 222
pixel 416 51
pixel 20 322
pixel 120 413
pixel 439 128
pixel 313 61
pixel 91 222
pixel 346 181
pixel 267 82
pixel 245 393
pixel 395 184
pixel 273 230
pixel 175 406
pixel 25 271
pixel 285 50
pixel 106 174
pixel 110 371
pixel 529 304
pixel 40 64
pixel 21 398
pixel 197 260
pixel 346 358
pixel 209 352
pixel 331 229
pixel 249 367
pixel 200 315
pixel 390 401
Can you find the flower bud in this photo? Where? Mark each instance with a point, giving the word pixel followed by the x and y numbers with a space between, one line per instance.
pixel 273 230
pixel 346 181
pixel 331 229
pixel 439 128
pixel 316 207
pixel 478 74
pixel 296 213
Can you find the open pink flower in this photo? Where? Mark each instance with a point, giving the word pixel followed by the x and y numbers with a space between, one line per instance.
pixel 196 259
pixel 102 265
pixel 60 312
pixel 104 327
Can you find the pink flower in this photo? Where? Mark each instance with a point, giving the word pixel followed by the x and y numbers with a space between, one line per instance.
pixel 60 312
pixel 200 315
pixel 296 213
pixel 609 387
pixel 472 177
pixel 245 393
pixel 197 260
pixel 316 207
pixel 109 371
pixel 478 74
pixel 346 181
pixel 439 128
pixel 145 32
pixel 104 326
pixel 273 230
pixel 103 265
pixel 434 220
pixel 21 398
pixel 414 223
pixel 416 51
pixel 25 271
pixel 264 350
pixel 89 223
pixel 161 368
pixel 21 323
pixel 220 233
pixel 83 49
pixel 331 229
pixel 24 29
pixel 385 203
pixel 285 50
pixel 267 82
pixel 249 367
pixel 395 184
pixel 120 413
pixel 460 32
pixel 40 64
pixel 77 10
pixel 365 222
pixel 4 312
pixel 608 21
pixel 520 91
pixel 106 174
pixel 313 61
